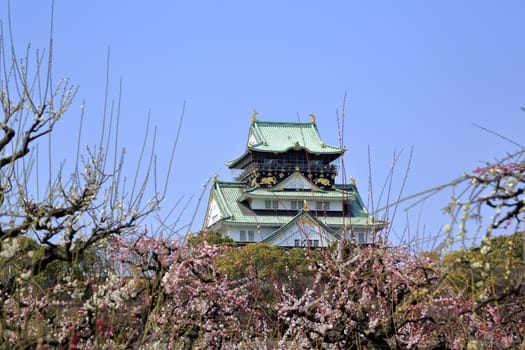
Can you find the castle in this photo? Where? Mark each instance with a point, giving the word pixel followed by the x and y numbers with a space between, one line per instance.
pixel 285 193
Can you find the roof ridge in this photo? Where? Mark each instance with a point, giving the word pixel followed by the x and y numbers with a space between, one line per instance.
pixel 239 183
pixel 282 122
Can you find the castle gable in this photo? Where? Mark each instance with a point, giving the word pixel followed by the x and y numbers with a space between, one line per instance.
pixel 297 182
pixel 304 230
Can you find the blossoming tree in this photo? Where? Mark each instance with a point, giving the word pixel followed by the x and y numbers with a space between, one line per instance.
pixel 80 270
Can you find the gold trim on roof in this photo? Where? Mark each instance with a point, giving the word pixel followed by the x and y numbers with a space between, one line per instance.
pixel 254 116
pixel 312 116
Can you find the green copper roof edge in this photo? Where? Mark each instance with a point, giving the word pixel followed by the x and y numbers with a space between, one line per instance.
pixel 283 220
pixel 294 195
pixel 319 193
pixel 222 203
pixel 335 151
pixel 236 183
pixel 259 136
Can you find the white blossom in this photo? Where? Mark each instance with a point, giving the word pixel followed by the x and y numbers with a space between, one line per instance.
pixel 9 248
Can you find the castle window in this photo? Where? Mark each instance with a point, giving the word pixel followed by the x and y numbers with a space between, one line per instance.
pixel 268 204
pixel 242 237
pixel 323 206
pixel 295 205
pixel 251 236
pixel 361 238
pixel 306 243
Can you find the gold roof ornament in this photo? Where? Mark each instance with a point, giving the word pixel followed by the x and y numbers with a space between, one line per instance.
pixel 312 116
pixel 254 116
pixel 352 180
pixel 305 205
pixel 215 178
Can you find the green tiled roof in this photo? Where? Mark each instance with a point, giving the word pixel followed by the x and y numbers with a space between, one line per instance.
pixel 228 194
pixel 279 137
pixel 310 195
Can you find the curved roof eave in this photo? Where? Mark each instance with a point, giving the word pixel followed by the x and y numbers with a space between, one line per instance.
pixel 231 163
pixel 330 150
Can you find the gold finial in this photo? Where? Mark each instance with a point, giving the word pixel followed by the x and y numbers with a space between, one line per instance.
pixel 313 118
pixel 215 178
pixel 305 205
pixel 352 180
pixel 254 116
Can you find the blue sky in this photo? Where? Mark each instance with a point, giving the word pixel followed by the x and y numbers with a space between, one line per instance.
pixel 417 75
